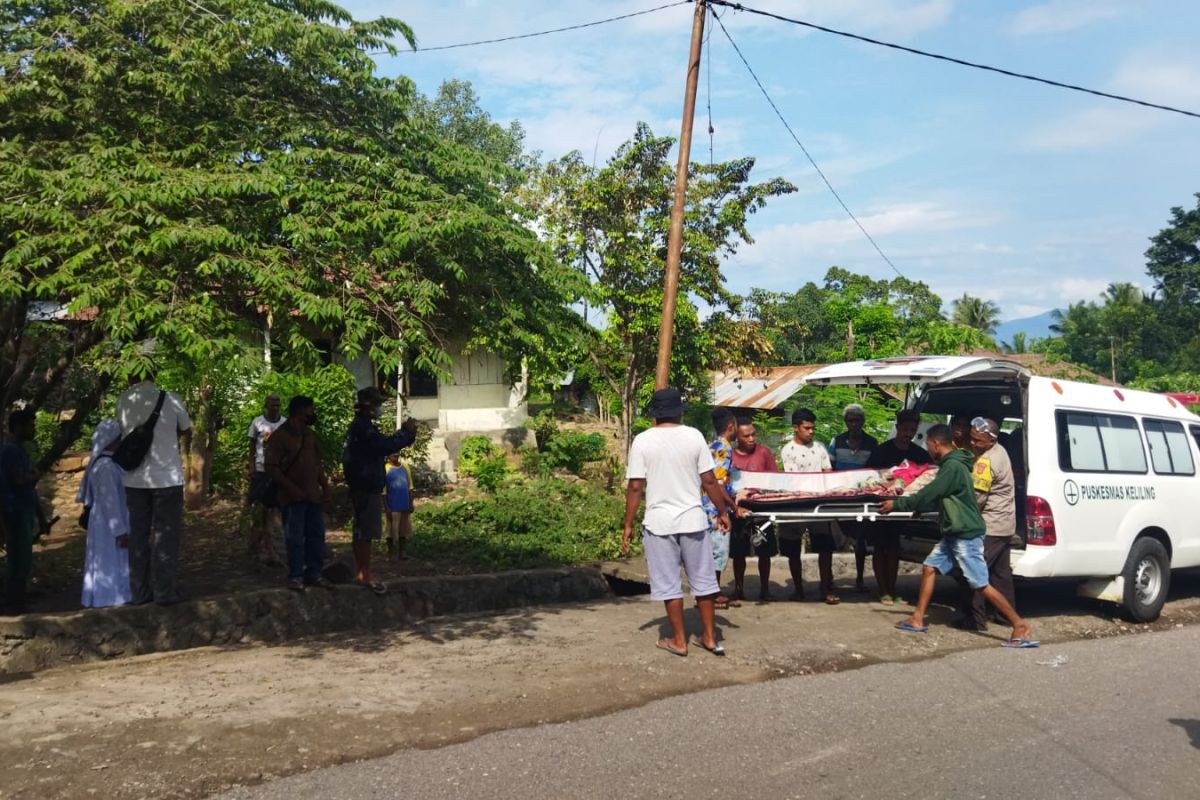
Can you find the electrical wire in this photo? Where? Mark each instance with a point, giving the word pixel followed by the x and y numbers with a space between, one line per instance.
pixel 959 61
pixel 580 26
pixel 804 149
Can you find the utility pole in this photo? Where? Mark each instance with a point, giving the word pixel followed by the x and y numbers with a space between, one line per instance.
pixel 666 329
pixel 1112 354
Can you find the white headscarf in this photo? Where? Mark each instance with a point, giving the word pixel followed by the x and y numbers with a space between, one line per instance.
pixel 104 438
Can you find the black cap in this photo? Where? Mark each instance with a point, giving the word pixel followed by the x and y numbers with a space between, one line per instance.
pixel 666 404
pixel 370 396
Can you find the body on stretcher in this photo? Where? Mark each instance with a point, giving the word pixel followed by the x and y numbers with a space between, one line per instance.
pixel 798 497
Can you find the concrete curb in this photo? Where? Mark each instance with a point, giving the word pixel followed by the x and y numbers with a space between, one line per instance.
pixel 41 641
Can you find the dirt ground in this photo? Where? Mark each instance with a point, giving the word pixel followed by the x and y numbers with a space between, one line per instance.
pixel 193 723
pixel 212 558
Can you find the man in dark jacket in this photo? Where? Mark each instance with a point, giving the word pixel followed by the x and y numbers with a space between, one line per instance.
pixel 363 462
pixel 952 495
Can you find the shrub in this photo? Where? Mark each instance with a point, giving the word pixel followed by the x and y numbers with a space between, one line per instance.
pixel 572 449
pixel 523 525
pixel 332 388
pixel 544 427
pixel 535 464
pixel 473 450
pixel 491 472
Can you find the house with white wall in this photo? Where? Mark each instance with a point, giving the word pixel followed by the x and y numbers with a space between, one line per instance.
pixel 476 398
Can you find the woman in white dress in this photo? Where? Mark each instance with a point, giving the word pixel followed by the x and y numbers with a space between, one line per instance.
pixel 102 492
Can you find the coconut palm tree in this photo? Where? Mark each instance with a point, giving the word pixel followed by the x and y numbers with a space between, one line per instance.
pixel 1018 345
pixel 977 313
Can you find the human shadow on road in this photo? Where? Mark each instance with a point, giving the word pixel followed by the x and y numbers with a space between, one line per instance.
pixel 691 621
pixel 1191 727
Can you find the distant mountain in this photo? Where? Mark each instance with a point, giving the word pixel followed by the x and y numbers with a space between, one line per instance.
pixel 1033 327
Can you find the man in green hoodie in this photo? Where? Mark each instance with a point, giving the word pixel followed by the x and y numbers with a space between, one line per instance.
pixel 952 495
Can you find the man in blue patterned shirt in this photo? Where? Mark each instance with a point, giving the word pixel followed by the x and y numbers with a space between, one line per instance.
pixel 725 425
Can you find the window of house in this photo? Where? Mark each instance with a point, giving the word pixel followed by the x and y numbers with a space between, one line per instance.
pixel 1099 443
pixel 421 383
pixel 1170 453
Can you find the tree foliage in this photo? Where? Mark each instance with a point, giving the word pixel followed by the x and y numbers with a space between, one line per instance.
pixel 849 316
pixel 975 312
pixel 612 224
pixel 193 174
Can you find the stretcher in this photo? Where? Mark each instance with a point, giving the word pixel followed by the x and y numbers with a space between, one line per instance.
pixel 799 497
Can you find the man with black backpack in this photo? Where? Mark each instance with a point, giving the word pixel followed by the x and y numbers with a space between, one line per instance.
pixel 153 422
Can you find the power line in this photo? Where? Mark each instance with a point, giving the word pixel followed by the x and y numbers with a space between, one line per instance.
pixel 580 26
pixel 959 61
pixel 804 149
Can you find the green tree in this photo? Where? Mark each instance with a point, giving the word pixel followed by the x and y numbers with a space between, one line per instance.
pixel 1019 344
pixel 1173 263
pixel 975 312
pixel 612 222
pixel 455 114
pixel 197 174
pixel 848 316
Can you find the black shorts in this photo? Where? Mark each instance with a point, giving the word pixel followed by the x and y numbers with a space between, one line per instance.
pixel 884 534
pixel 257 491
pixel 740 545
pixel 820 539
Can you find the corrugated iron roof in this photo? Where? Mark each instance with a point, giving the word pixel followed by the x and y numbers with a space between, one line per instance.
pixel 765 389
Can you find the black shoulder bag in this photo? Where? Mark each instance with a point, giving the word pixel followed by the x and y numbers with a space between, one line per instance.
pixel 132 450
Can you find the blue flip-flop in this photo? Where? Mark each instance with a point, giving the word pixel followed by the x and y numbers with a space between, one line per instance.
pixel 905 625
pixel 1020 644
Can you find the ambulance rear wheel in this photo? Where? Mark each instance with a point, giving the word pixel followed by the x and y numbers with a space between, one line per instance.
pixel 1147 577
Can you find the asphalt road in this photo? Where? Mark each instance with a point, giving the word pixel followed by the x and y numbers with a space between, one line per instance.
pixel 1112 718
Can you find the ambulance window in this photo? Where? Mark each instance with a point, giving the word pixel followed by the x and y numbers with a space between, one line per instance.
pixel 1083 448
pixel 1123 450
pixel 1169 450
pixel 1099 443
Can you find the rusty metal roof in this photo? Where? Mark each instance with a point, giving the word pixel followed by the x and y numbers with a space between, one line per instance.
pixel 764 389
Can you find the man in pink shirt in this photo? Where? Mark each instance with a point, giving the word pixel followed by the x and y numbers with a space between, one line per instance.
pixel 750 456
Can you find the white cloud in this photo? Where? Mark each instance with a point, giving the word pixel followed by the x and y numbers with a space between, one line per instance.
pixel 1072 290
pixel 901 19
pixel 1096 127
pixel 1023 311
pixel 1158 77
pixel 1170 79
pixel 565 87
pixel 1059 16
pixel 835 238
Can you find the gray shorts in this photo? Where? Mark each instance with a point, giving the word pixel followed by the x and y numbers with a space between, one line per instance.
pixel 665 554
pixel 368 516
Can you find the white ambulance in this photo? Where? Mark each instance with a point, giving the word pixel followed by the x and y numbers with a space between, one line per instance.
pixel 1109 474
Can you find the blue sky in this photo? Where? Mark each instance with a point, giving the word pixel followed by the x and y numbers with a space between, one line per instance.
pixel 1030 196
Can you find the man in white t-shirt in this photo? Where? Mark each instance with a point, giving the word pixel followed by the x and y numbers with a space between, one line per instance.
pixel 154 492
pixel 263 516
pixel 668 466
pixel 805 454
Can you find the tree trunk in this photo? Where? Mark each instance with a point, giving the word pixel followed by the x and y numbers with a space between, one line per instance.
pixel 200 452
pixel 628 412
pixel 69 429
